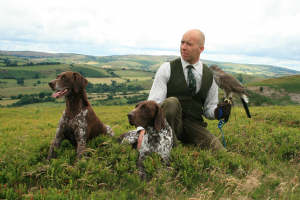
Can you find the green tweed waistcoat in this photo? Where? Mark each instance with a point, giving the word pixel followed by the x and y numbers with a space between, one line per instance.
pixel 192 106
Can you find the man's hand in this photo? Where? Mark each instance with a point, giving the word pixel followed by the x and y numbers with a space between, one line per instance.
pixel 226 109
pixel 140 140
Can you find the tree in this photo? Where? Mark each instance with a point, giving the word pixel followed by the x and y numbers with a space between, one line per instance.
pixel 261 89
pixel 113 82
pixel 20 81
pixel 240 78
pixel 42 95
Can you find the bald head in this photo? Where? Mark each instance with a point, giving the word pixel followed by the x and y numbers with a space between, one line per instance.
pixel 198 35
pixel 192 44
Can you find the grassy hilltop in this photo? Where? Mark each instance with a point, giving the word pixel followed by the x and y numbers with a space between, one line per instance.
pixel 261 160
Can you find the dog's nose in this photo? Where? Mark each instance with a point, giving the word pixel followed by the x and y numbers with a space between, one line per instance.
pixel 130 115
pixel 51 84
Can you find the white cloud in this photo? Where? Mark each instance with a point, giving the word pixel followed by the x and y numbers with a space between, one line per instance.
pixel 266 30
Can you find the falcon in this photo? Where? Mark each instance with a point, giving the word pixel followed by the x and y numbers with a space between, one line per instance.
pixel 230 85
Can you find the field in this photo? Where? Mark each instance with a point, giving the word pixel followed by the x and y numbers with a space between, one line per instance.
pixel 118 80
pixel 261 160
pixel 105 80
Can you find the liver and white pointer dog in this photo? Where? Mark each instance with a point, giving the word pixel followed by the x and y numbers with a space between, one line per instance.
pixel 158 136
pixel 79 123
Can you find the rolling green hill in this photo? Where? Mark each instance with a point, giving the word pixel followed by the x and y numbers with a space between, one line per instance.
pixel 36 69
pixel 146 62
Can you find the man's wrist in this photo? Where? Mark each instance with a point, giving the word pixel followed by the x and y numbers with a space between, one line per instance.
pixel 216 112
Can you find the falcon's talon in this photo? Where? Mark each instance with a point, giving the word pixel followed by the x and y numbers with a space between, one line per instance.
pixel 228 101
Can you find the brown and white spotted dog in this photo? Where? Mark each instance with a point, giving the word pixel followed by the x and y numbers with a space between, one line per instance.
pixel 158 136
pixel 79 123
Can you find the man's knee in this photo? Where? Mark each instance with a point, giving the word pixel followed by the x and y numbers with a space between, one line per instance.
pixel 171 106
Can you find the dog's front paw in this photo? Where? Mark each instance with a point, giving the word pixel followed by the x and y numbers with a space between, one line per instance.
pixel 109 131
pixel 142 175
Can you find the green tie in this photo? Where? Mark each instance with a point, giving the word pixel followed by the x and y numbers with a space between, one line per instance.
pixel 192 80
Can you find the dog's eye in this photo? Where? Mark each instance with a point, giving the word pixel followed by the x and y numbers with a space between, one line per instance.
pixel 144 107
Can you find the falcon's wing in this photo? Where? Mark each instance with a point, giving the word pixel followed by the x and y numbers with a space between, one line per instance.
pixel 231 83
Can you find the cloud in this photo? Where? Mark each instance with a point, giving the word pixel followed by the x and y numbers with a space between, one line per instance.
pixel 248 29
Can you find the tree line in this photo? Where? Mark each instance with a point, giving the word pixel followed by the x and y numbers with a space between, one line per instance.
pixel 32 98
pixel 114 87
pixel 10 63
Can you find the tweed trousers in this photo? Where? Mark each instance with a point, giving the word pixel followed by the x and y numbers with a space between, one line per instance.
pixel 188 130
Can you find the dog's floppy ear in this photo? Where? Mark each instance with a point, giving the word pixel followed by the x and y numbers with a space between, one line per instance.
pixel 80 82
pixel 159 119
pixel 139 104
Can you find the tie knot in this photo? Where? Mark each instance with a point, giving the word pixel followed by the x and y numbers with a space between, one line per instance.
pixel 190 66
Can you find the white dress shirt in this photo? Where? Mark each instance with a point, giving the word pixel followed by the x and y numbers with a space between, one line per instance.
pixel 158 91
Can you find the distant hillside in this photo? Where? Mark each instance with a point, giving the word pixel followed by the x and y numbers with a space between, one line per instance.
pixel 275 91
pixel 30 54
pixel 143 62
pixel 259 70
pixel 29 72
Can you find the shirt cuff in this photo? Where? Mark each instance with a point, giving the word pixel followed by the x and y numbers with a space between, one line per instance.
pixel 139 128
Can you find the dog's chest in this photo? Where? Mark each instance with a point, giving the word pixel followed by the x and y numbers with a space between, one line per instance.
pixel 157 141
pixel 77 125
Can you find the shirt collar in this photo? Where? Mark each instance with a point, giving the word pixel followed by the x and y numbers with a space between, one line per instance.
pixel 198 65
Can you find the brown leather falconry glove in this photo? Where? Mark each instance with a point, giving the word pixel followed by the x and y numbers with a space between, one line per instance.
pixel 226 109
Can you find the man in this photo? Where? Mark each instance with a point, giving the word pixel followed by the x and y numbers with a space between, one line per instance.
pixel 183 106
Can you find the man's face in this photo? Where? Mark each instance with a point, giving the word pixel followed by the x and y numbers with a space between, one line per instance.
pixel 189 48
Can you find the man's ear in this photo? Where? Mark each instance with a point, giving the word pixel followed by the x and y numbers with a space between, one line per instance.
pixel 201 48
pixel 80 82
pixel 159 119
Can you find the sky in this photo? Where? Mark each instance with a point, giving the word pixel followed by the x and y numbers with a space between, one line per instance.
pixel 240 31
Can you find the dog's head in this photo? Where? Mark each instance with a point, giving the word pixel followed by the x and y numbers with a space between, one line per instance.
pixel 147 113
pixel 66 83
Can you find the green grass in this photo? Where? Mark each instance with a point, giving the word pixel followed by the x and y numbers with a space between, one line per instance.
pixel 261 160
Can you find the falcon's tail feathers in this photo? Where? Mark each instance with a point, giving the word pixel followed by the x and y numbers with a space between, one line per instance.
pixel 244 97
pixel 246 107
